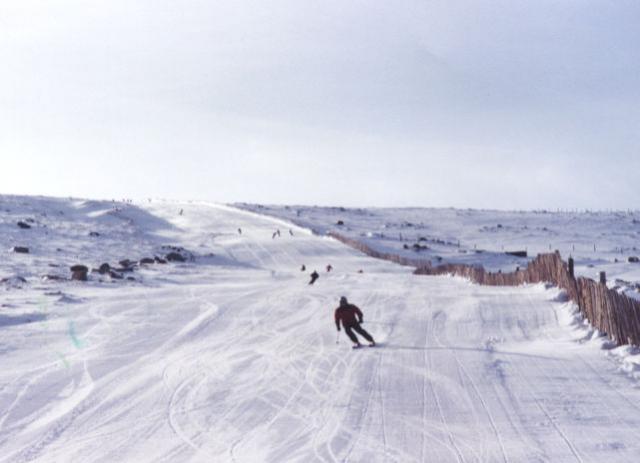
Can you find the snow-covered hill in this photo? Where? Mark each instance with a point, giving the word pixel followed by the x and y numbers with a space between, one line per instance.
pixel 597 240
pixel 232 356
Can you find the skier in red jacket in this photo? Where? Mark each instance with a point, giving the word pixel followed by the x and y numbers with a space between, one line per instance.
pixel 351 317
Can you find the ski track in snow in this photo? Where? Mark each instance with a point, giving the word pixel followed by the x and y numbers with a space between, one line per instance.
pixel 237 361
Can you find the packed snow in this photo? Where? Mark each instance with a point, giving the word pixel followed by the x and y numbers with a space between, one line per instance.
pixel 232 356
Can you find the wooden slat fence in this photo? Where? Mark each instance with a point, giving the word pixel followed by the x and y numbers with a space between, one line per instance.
pixel 613 313
pixel 607 310
pixel 379 255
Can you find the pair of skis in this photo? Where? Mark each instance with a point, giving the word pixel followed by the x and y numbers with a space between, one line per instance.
pixel 358 346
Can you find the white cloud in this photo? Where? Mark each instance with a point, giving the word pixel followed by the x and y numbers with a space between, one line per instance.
pixel 402 103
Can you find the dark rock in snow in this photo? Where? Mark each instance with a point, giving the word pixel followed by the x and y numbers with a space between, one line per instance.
pixel 104 269
pixel 93 233
pixel 79 276
pixel 79 272
pixel 517 253
pixel 20 249
pixel 176 251
pixel 24 225
pixel 175 257
pixel 115 275
pixel 146 260
pixel 126 263
pixel 159 260
pixel 53 278
pixel 634 259
pixel 340 222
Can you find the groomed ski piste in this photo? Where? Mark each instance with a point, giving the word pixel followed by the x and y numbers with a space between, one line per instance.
pixel 233 356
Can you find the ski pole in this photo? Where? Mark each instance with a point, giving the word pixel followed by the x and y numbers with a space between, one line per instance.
pixel 337 337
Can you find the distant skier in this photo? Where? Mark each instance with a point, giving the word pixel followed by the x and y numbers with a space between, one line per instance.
pixel 303 268
pixel 273 236
pixel 291 232
pixel 329 268
pixel 239 231
pixel 314 277
pixel 181 211
pixel 351 317
pixel 278 231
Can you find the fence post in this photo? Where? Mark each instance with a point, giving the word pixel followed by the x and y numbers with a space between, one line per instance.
pixel 603 278
pixel 571 268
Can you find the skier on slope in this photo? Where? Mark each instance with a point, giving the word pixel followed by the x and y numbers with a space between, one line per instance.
pixel 314 277
pixel 351 317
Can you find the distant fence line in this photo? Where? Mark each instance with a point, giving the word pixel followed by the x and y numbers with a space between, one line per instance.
pixel 613 313
pixel 368 250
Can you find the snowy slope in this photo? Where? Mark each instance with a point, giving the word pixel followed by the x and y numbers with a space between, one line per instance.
pixel 598 241
pixel 233 357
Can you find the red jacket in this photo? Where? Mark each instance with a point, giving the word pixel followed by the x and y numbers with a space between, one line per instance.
pixel 349 314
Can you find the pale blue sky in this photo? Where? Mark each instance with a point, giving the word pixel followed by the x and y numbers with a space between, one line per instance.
pixel 505 104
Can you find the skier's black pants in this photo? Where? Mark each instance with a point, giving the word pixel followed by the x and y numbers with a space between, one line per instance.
pixel 349 329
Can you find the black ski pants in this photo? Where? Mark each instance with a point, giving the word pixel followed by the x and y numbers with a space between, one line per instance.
pixel 349 329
